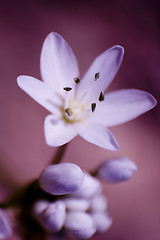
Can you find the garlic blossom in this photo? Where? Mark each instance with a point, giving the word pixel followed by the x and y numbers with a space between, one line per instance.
pixel 80 106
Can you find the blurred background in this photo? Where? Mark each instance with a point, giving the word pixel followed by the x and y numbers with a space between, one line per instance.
pixel 90 27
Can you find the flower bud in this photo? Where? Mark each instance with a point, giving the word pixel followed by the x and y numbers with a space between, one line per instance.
pixel 61 178
pixel 102 221
pixel 80 225
pixel 5 229
pixel 75 204
pixel 53 217
pixel 99 204
pixel 116 170
pixel 39 207
pixel 90 187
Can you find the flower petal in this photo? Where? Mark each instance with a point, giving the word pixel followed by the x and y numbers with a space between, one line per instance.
pixel 58 63
pixel 123 105
pixel 96 133
pixel 107 65
pixel 57 132
pixel 39 91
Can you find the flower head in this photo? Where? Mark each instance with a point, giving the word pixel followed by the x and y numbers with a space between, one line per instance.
pixel 80 106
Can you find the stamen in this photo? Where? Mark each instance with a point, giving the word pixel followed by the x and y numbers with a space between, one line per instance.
pixel 97 76
pixel 76 80
pixel 93 106
pixel 101 97
pixel 67 89
pixel 69 112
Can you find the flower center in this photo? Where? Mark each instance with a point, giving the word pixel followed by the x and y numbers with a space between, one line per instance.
pixel 75 111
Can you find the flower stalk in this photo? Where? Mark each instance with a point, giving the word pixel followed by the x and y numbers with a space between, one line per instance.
pixel 59 154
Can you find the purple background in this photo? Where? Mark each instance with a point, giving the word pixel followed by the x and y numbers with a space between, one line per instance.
pixel 90 27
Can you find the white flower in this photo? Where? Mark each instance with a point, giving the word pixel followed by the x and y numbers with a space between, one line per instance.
pixel 80 106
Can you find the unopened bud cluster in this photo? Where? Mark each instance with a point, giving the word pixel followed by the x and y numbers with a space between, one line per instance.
pixel 68 201
pixel 80 209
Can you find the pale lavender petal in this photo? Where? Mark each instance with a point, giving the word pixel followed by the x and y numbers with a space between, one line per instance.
pixel 107 65
pixel 39 91
pixel 123 105
pixel 102 222
pixel 96 133
pixel 58 63
pixel 89 189
pixel 116 170
pixel 80 225
pixel 53 217
pixel 61 178
pixel 57 132
pixel 5 229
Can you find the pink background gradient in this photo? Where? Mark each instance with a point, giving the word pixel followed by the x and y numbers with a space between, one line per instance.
pixel 90 27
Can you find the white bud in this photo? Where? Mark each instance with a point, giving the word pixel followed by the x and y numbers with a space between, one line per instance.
pixel 53 217
pixel 80 225
pixel 61 178
pixel 99 204
pixel 102 222
pixel 75 204
pixel 39 207
pixel 116 170
pixel 90 187
pixel 5 229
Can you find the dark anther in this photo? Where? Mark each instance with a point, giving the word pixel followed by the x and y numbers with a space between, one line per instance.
pixel 76 80
pixel 101 97
pixel 67 89
pixel 68 111
pixel 97 76
pixel 93 106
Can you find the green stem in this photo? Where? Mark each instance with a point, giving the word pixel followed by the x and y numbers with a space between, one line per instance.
pixel 59 154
